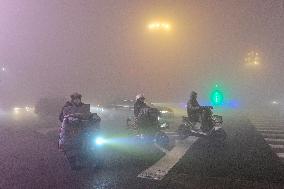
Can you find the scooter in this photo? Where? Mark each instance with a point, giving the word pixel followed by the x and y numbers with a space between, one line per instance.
pixel 210 126
pixel 147 127
pixel 81 142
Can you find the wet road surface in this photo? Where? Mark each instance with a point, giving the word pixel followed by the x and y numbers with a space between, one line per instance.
pixel 30 159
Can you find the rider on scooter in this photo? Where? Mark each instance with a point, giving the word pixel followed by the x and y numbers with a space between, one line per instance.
pixel 193 108
pixel 201 121
pixel 139 104
pixel 146 117
pixel 197 113
pixel 75 103
pixel 76 100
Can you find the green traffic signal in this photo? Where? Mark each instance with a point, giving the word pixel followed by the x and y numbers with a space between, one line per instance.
pixel 217 97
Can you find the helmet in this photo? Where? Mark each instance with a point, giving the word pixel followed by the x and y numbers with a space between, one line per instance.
pixel 193 93
pixel 140 96
pixel 75 95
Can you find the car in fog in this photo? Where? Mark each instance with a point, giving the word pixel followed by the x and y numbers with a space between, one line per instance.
pixel 125 104
pixel 49 106
pixel 97 109
pixel 23 109
pixel 165 111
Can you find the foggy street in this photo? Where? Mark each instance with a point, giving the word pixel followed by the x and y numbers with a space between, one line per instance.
pixel 175 94
pixel 30 159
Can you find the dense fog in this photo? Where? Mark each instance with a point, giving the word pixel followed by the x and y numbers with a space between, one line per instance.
pixel 104 50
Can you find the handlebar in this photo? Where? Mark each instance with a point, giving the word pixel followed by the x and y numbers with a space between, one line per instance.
pixel 83 117
pixel 76 115
pixel 206 107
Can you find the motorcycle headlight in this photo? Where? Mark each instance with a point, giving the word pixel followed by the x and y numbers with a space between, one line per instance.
pixel 100 141
pixel 164 125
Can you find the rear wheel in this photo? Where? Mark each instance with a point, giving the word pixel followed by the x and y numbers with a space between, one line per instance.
pixel 98 163
pixel 218 135
pixel 75 163
pixel 95 159
pixel 162 139
pixel 183 131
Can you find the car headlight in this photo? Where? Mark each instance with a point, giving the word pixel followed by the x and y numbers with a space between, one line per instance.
pixel 28 109
pixel 164 111
pixel 16 110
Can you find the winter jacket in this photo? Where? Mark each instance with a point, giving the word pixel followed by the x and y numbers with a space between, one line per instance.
pixel 193 109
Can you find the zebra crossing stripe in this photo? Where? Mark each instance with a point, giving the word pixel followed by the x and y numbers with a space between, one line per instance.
pixel 270 128
pixel 274 131
pixel 281 155
pixel 166 163
pixel 274 139
pixel 273 135
pixel 276 146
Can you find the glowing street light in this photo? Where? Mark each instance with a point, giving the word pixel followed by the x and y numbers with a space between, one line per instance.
pixel 275 102
pixel 252 58
pixel 159 26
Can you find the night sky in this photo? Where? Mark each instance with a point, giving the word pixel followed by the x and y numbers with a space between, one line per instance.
pixel 102 49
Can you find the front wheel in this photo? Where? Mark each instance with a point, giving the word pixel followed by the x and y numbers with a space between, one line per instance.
pixel 95 160
pixel 99 163
pixel 162 139
pixel 218 134
pixel 183 131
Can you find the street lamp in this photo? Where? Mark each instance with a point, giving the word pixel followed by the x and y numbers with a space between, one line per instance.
pixel 252 58
pixel 159 26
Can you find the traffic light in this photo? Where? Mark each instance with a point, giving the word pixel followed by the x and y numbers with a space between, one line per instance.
pixel 217 97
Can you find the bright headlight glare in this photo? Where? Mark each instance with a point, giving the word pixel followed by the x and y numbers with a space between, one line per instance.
pixel 163 125
pixel 16 110
pixel 28 109
pixel 100 141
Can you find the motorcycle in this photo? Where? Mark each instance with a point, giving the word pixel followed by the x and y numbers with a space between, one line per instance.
pixel 81 142
pixel 210 126
pixel 148 128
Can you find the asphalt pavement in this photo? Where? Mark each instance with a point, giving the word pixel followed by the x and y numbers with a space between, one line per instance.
pixel 30 159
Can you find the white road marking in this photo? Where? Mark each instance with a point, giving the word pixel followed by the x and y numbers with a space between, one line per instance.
pixel 276 146
pixel 176 135
pixel 281 155
pixel 274 131
pixel 166 163
pixel 273 135
pixel 274 139
pixel 270 128
pixel 170 132
pixel 161 148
